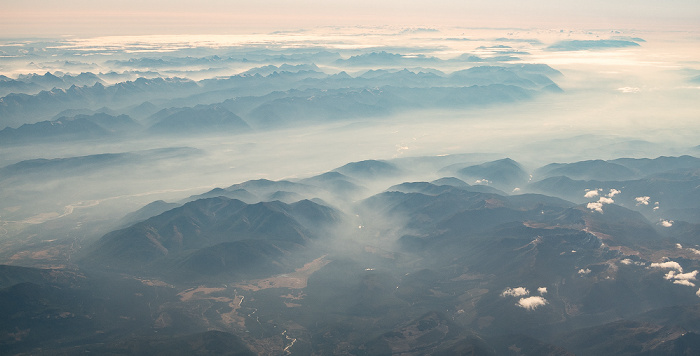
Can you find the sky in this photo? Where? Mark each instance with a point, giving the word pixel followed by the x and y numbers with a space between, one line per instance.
pixel 48 18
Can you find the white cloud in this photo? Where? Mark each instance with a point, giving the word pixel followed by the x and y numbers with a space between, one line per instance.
pixel 515 292
pixel 698 293
pixel 684 282
pixel 584 271
pixel 531 303
pixel 683 279
pixel 591 193
pixel 679 246
pixel 666 223
pixel 694 250
pixel 482 181
pixel 667 264
pixel 598 206
pixel 690 276
pixel 642 200
pixel 595 207
pixel 515 190
pixel 627 261
pixel 628 90
pixel 542 290
pixel 605 200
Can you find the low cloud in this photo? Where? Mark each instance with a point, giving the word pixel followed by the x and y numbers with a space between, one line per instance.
pixel 584 271
pixel 642 200
pixel 613 192
pixel 684 282
pixel 595 207
pixel 531 303
pixel 690 276
pixel 591 193
pixel 627 261
pixel 628 90
pixel 482 181
pixel 542 290
pixel 515 292
pixel 666 223
pixel 681 278
pixel 667 264
pixel 605 200
pixel 598 205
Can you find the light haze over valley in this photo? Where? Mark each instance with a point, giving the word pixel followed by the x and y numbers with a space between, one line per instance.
pixel 366 179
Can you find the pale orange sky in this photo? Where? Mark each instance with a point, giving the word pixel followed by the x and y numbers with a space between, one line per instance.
pixel 48 18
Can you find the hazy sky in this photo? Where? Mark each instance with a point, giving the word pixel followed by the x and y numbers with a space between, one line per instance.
pixel 83 17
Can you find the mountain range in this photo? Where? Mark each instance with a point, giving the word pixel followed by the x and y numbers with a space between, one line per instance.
pixel 441 267
pixel 301 91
